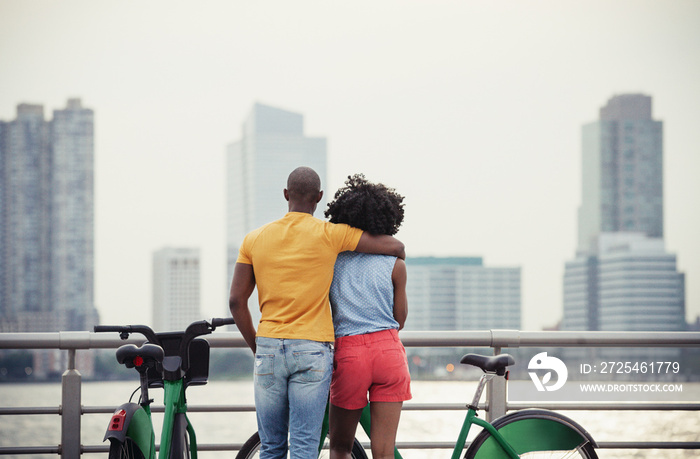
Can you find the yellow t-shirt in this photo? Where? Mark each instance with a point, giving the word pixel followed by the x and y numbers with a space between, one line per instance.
pixel 293 261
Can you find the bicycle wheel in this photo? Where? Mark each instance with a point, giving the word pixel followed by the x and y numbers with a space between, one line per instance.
pixel 126 450
pixel 184 451
pixel 183 442
pixel 251 449
pixel 535 434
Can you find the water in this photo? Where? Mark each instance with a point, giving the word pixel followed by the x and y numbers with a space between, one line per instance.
pixel 415 425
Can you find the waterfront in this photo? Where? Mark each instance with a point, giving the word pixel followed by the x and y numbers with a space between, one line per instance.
pixel 44 430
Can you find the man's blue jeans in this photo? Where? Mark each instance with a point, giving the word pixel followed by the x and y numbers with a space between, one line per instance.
pixel 292 380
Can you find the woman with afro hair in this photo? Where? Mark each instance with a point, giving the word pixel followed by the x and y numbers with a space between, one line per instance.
pixel 368 300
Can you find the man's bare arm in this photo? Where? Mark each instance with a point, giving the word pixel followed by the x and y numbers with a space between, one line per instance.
pixel 241 288
pixel 381 244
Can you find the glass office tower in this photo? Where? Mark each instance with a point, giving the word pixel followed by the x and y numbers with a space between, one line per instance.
pixel 272 145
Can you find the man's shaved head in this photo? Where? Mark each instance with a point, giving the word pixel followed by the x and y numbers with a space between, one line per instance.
pixel 304 184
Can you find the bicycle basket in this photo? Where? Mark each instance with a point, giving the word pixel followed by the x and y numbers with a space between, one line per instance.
pixel 196 375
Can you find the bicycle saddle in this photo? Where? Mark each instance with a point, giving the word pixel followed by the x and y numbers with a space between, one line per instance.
pixel 128 352
pixel 489 364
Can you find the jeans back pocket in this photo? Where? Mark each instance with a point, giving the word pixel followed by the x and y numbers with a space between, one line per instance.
pixel 264 370
pixel 313 366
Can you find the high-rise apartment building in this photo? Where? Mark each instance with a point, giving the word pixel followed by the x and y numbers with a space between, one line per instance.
pixel 622 171
pixel 460 293
pixel 25 260
pixel 47 220
pixel 622 278
pixel 72 214
pixel 176 288
pixel 272 145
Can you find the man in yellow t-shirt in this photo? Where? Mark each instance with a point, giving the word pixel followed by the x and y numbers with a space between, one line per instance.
pixel 291 260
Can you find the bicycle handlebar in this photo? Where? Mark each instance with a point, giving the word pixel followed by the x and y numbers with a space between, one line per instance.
pixel 108 328
pixel 125 330
pixel 195 329
pixel 221 322
pixel 179 341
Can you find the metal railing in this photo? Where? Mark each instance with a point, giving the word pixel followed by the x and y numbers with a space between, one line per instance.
pixel 496 403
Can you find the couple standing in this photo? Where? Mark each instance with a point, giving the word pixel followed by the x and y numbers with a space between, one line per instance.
pixel 296 262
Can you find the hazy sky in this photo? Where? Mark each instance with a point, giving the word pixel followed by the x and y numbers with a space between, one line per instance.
pixel 473 110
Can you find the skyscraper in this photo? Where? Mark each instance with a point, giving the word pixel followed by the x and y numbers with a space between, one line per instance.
pixel 25 203
pixel 272 144
pixel 622 171
pixel 47 227
pixel 72 214
pixel 176 288
pixel 622 278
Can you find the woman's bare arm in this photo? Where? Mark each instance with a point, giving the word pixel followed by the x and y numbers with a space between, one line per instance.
pixel 399 278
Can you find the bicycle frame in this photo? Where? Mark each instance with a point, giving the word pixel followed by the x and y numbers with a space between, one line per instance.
pixel 471 418
pixel 175 419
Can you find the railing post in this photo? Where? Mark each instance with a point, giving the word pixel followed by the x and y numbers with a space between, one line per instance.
pixel 496 395
pixel 70 410
pixel 497 391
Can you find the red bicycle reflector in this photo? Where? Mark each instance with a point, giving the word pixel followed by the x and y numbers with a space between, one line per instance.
pixel 117 422
pixel 138 361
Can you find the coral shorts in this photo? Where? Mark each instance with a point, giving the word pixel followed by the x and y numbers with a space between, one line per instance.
pixel 373 363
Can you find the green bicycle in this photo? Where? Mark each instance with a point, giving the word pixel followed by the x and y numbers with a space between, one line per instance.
pixel 173 361
pixel 529 433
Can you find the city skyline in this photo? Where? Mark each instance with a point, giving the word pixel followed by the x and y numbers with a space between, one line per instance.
pixel 472 111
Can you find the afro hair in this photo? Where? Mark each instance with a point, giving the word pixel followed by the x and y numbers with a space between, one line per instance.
pixel 371 207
